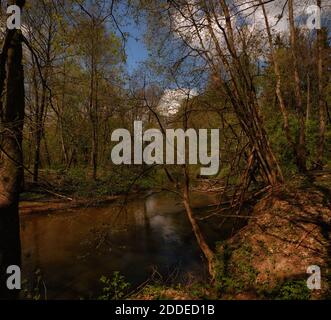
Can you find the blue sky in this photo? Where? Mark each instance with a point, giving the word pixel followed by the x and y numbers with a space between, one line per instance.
pixel 135 48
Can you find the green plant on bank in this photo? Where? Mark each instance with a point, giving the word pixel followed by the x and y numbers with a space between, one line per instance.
pixel 114 288
pixel 293 289
pixel 110 182
pixel 234 280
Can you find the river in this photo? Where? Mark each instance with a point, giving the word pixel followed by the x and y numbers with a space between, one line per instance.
pixel 73 248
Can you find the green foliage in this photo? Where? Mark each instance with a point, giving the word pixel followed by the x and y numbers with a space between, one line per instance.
pixel 112 181
pixel 283 150
pixel 293 289
pixel 114 288
pixel 234 278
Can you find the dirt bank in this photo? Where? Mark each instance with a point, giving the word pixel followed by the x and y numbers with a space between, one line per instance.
pixel 51 204
pixel 289 231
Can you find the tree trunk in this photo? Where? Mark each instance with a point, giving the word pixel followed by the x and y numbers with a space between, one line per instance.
pixel 36 162
pixel 39 123
pixel 35 127
pixel 208 253
pixel 94 152
pixel 308 98
pixel 301 148
pixel 93 109
pixel 47 154
pixel 321 102
pixel 11 158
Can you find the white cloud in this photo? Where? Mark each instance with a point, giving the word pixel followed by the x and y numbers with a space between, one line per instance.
pixel 173 98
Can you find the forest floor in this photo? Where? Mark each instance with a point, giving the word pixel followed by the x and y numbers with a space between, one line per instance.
pixel 289 231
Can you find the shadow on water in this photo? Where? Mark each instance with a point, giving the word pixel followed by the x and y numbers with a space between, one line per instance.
pixel 73 249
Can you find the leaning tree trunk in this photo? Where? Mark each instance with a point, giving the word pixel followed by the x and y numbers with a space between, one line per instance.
pixel 11 170
pixel 208 253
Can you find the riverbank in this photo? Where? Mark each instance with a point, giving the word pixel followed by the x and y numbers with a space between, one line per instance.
pixel 49 205
pixel 289 231
pixel 70 189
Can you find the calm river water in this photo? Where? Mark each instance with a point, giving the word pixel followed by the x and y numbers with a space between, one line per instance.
pixel 74 248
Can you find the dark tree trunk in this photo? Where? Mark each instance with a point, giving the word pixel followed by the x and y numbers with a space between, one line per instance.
pixel 11 158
